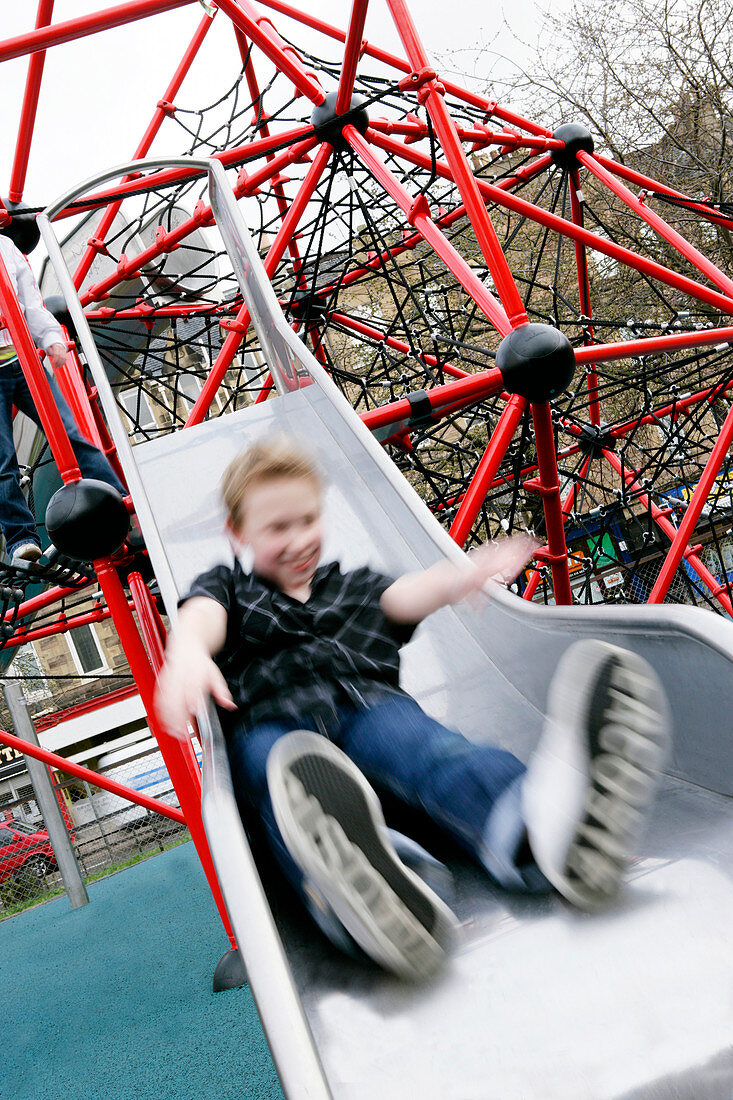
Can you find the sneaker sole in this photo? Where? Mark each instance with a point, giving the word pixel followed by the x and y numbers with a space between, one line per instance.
pixel 610 702
pixel 332 823
pixel 29 556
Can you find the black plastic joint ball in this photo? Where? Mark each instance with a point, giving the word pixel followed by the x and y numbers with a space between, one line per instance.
pixel 328 125
pixel 22 229
pixel 536 362
pixel 577 138
pixel 87 519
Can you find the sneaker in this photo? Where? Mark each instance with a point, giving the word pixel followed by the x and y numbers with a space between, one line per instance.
pixel 27 551
pixel 332 824
pixel 590 782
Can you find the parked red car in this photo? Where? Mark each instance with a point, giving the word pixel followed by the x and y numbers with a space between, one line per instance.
pixel 26 850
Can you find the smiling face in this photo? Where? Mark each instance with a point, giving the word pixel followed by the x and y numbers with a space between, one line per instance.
pixel 281 524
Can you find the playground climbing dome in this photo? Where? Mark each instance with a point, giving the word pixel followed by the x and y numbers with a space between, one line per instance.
pixel 409 226
pixel 532 331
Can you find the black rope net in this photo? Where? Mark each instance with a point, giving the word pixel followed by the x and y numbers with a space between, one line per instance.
pixel 388 319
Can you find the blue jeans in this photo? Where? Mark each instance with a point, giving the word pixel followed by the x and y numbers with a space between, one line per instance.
pixel 462 786
pixel 16 519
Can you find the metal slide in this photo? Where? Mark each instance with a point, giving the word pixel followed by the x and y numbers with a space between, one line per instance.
pixel 540 1002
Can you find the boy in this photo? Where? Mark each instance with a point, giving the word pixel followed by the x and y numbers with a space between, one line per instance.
pixel 307 673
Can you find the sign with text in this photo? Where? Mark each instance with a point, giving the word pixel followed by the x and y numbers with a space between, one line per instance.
pixel 12 762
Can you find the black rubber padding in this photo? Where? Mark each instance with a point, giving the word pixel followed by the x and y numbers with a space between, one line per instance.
pixel 341 797
pixel 600 704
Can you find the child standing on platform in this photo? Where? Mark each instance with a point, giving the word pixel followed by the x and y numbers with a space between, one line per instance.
pixel 16 519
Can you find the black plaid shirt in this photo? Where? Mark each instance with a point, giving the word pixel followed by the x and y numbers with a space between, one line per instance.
pixel 283 659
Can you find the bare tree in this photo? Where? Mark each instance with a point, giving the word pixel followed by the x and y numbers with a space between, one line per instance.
pixel 652 79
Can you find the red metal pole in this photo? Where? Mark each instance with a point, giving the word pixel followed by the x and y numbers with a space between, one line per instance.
pixel 581 264
pixel 61 626
pixel 491 107
pixel 480 136
pixel 654 345
pixel 161 113
pixel 241 154
pixel 71 384
pixel 475 495
pixel 165 242
pixel 351 55
pixel 548 487
pixel 28 111
pixel 45 599
pixel 35 376
pixel 60 763
pixel 84 25
pixel 296 153
pixel 261 31
pixel 649 184
pixel 504 197
pixel 451 395
pixel 417 212
pixel 631 479
pixel 107 444
pixel 264 130
pixel 693 510
pixel 567 508
pixel 659 225
pixel 153 642
pixel 144 312
pixel 240 326
pixel 432 95
pixel 180 759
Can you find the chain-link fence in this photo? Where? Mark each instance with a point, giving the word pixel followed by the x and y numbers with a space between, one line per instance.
pixel 107 832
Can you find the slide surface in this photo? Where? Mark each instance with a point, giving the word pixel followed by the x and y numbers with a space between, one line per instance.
pixel 540 1001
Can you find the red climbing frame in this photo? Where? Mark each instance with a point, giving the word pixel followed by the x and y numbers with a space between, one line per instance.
pixel 438 138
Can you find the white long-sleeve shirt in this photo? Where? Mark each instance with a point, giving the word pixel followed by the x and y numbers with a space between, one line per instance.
pixel 44 327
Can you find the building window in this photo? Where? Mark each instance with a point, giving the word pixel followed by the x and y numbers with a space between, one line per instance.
pixel 251 366
pixel 189 388
pixel 86 650
pixel 139 412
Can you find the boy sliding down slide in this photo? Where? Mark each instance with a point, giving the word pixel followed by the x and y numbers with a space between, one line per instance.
pixel 303 661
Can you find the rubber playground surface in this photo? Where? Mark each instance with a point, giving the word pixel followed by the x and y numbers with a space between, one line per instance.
pixel 114 1000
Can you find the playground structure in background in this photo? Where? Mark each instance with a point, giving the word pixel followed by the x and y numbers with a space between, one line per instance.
pixel 532 329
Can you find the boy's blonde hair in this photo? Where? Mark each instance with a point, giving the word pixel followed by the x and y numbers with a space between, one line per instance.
pixel 264 461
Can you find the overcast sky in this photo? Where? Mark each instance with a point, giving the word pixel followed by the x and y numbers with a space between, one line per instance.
pixel 99 92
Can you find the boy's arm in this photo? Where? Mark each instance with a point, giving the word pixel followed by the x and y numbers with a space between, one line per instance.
pixel 416 595
pixel 189 675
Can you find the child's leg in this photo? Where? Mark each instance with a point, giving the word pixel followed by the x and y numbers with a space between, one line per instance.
pixel 16 519
pixel 248 752
pixel 471 790
pixel 92 463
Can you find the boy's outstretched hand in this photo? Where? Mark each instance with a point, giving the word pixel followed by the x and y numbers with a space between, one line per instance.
pixel 412 597
pixel 500 561
pixel 184 685
pixel 190 677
